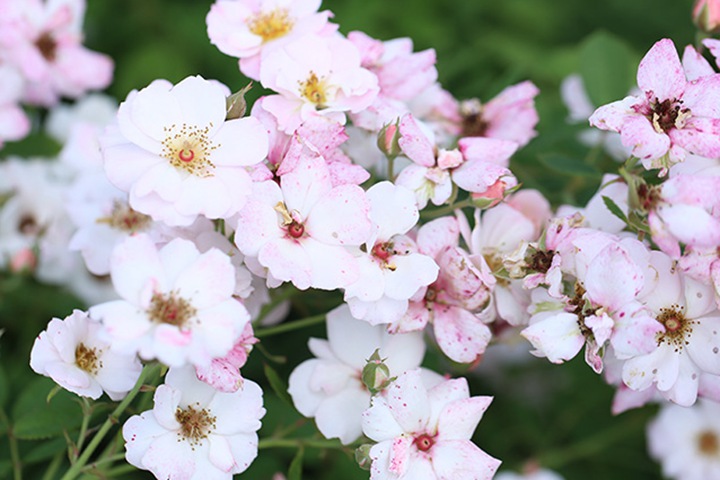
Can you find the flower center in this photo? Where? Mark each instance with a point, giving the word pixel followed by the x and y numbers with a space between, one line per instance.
pixel 271 25
pixel 170 309
pixel 677 327
pixel 188 148
pixel 383 252
pixel 293 227
pixel 314 90
pixel 431 295
pixel 649 196
pixel 125 219
pixel 541 260
pixel 27 225
pixel 86 359
pixel 47 46
pixel 668 114
pixel 195 424
pixel 708 443
pixel 473 123
pixel 495 262
pixel 424 442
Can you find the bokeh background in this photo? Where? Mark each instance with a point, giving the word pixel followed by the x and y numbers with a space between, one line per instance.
pixel 558 416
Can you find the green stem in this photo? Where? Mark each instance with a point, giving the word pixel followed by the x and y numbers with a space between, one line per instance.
pixel 391 168
pixel 439 212
pixel 14 451
pixel 105 428
pixel 53 467
pixel 85 423
pixel 300 442
pixel 290 326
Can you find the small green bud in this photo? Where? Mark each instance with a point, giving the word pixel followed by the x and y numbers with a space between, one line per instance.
pixel 375 374
pixel 362 456
pixel 236 104
pixel 388 139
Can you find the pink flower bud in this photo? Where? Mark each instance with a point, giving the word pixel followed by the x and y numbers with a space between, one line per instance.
pixel 24 260
pixel 492 196
pixel 388 140
pixel 706 15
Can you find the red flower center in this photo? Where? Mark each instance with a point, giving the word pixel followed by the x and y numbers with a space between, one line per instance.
pixel 424 442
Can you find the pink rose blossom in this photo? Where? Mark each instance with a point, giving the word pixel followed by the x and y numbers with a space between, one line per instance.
pixel 424 434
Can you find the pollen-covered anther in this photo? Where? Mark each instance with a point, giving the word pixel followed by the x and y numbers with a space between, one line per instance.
pixel 677 328
pixel 125 219
pixel 195 424
pixel 314 90
pixel 171 309
pixel 86 359
pixel 271 25
pixel 668 114
pixel 424 442
pixel 188 148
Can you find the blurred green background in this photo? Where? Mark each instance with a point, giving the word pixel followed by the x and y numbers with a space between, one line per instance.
pixel 558 415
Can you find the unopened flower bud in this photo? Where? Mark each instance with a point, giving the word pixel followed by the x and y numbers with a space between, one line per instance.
pixel 236 104
pixel 362 456
pixel 375 374
pixel 493 195
pixel 387 140
pixel 23 261
pixel 706 15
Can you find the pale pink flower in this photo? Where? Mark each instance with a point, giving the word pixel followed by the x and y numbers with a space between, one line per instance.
pixel 687 347
pixel 72 353
pixel 223 373
pixel 330 82
pixel 329 387
pixel 246 29
pixel 301 230
pixel 402 76
pixel 195 432
pixel 43 40
pixel 477 165
pixel 392 269
pixel 685 209
pixel 672 117
pixel 424 434
pixel 457 302
pixel 14 124
pixel 178 158
pixel 177 304
pixel 511 115
pixel 685 441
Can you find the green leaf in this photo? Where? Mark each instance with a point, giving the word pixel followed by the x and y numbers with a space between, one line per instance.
pixel 45 451
pixel 295 470
pixel 607 67
pixel 277 384
pixel 614 209
pixel 34 418
pixel 568 166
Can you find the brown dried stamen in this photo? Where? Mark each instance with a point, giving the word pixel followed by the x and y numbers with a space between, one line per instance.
pixel 171 309
pixel 473 122
pixel 668 114
pixel 86 359
pixel 195 424
pixel 47 46
pixel 27 225
pixel 541 260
